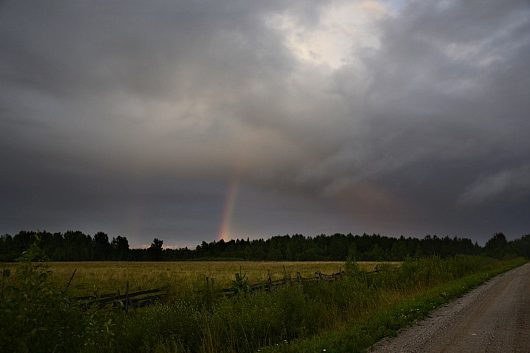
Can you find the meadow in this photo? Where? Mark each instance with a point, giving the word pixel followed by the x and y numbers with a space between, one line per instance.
pixel 347 315
pixel 106 276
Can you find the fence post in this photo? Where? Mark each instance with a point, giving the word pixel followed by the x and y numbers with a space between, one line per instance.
pixel 127 297
pixel 319 275
pixel 68 284
pixel 298 277
pixel 286 277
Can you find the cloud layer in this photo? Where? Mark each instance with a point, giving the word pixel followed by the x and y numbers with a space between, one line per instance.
pixel 377 116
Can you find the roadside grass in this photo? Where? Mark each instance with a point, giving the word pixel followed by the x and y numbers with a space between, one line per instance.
pixel 398 312
pixel 343 316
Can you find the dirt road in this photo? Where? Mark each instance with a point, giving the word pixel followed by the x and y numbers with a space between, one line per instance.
pixel 493 318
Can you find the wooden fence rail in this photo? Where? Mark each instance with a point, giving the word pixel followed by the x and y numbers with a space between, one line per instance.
pixel 287 280
pixel 128 300
pixel 148 297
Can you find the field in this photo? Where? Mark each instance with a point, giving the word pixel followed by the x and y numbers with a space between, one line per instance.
pixel 103 277
pixel 346 315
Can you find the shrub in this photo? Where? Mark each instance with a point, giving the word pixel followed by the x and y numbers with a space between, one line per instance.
pixel 36 317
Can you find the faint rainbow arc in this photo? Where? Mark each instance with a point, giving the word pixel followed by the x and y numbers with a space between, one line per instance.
pixel 228 210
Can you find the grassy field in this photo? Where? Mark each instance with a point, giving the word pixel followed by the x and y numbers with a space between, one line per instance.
pixel 346 315
pixel 102 276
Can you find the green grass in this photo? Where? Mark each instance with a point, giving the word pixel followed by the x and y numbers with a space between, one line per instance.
pixel 388 320
pixel 344 316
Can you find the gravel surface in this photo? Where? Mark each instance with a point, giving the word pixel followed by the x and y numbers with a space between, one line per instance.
pixel 493 318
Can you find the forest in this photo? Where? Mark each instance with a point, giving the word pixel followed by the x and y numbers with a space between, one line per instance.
pixel 77 246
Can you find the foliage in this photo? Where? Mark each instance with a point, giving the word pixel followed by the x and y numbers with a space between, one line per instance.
pixel 352 267
pixel 498 247
pixel 36 317
pixel 33 253
pixel 386 320
pixel 240 284
pixel 522 246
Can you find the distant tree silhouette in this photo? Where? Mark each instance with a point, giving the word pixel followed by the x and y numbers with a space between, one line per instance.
pixel 120 248
pixel 497 246
pixel 77 246
pixel 522 246
pixel 101 246
pixel 399 250
pixel 352 252
pixel 155 250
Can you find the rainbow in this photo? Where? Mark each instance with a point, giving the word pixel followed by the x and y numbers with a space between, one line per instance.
pixel 228 210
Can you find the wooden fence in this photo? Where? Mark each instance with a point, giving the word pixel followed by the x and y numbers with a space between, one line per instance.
pixel 148 297
pixel 127 300
pixel 270 285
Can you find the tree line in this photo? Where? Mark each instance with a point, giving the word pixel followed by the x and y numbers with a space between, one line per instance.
pixel 77 246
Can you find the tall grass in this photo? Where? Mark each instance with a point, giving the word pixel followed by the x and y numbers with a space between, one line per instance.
pixel 207 323
pixel 108 276
pixel 385 320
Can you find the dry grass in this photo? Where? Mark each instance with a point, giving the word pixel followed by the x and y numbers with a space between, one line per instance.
pixel 105 276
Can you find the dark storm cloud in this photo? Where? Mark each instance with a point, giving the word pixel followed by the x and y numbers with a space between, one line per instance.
pixel 394 117
pixel 454 106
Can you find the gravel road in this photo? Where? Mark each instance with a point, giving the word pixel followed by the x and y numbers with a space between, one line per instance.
pixel 493 318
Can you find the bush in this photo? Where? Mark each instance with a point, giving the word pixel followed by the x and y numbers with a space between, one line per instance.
pixel 37 317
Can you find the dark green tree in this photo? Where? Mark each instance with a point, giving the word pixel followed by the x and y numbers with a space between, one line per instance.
pixel 522 246
pixel 155 250
pixel 101 246
pixel 120 248
pixel 497 246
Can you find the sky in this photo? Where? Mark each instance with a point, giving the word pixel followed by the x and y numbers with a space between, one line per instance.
pixel 209 119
